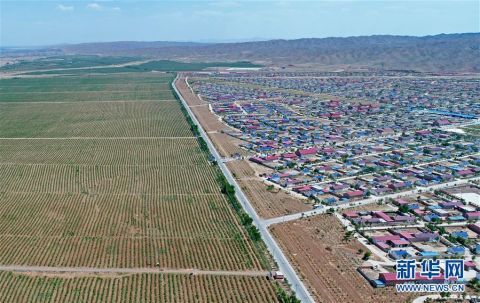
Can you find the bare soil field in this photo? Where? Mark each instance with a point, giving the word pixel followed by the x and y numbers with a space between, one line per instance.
pixel 270 204
pixel 164 288
pixel 208 119
pixel 187 94
pixel 241 168
pixel 226 145
pixel 327 264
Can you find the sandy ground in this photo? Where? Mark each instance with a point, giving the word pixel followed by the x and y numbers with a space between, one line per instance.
pixel 267 203
pixel 327 264
pixel 225 144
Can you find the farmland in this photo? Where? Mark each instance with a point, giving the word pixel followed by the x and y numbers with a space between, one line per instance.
pixel 98 119
pixel 104 172
pixel 135 288
pixel 155 65
pixel 66 62
pixel 316 248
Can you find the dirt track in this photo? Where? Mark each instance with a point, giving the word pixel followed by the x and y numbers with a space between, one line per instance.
pixel 79 271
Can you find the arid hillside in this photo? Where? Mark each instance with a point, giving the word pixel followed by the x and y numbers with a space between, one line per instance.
pixel 439 53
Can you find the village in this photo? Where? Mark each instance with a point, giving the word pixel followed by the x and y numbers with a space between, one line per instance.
pixel 388 153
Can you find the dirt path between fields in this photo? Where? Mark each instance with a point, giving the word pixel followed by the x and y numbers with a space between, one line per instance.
pixel 79 271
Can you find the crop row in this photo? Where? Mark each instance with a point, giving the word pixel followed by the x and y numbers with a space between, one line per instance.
pixel 146 152
pixel 165 288
pixel 91 179
pixel 77 215
pixel 93 119
pixel 200 253
pixel 66 81
pixel 91 87
pixel 86 96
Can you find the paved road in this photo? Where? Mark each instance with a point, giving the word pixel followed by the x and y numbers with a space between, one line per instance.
pixel 323 210
pixel 144 270
pixel 283 264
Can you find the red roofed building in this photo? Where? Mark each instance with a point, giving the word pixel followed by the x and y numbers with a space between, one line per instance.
pixel 474 215
pixel 382 215
pixel 475 227
pixel 350 214
pixel 306 152
pixel 465 172
pixel 271 158
pixel 289 156
pixel 353 194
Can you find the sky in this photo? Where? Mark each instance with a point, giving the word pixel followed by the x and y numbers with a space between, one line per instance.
pixel 40 23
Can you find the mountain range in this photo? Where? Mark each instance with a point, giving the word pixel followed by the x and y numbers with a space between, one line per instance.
pixel 438 53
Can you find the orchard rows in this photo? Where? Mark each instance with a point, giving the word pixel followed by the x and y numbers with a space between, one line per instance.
pixel 161 288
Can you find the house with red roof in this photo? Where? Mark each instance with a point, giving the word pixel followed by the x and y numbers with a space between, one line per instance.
pixel 353 194
pixel 475 215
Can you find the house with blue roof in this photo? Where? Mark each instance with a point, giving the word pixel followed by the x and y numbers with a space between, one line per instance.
pixel 428 254
pixel 459 234
pixel 431 217
pixel 458 218
pixel 399 254
pixel 456 250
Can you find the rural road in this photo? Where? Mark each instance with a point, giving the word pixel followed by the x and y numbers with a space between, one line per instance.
pixel 145 270
pixel 283 264
pixel 323 210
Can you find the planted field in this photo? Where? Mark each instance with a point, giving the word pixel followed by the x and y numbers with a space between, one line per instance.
pixel 73 96
pixel 97 119
pixel 165 152
pixel 122 231
pixel 111 184
pixel 158 65
pixel 66 62
pixel 163 288
pixel 83 82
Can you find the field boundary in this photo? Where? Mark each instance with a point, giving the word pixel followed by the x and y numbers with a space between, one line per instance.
pixel 142 270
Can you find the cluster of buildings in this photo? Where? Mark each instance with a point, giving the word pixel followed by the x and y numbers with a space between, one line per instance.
pixel 439 225
pixel 377 135
pixel 393 138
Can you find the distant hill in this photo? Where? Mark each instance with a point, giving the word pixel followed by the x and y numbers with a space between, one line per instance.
pixel 445 52
pixel 126 47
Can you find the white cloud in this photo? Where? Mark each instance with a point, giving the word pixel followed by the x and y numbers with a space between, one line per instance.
pixel 95 6
pixel 65 8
